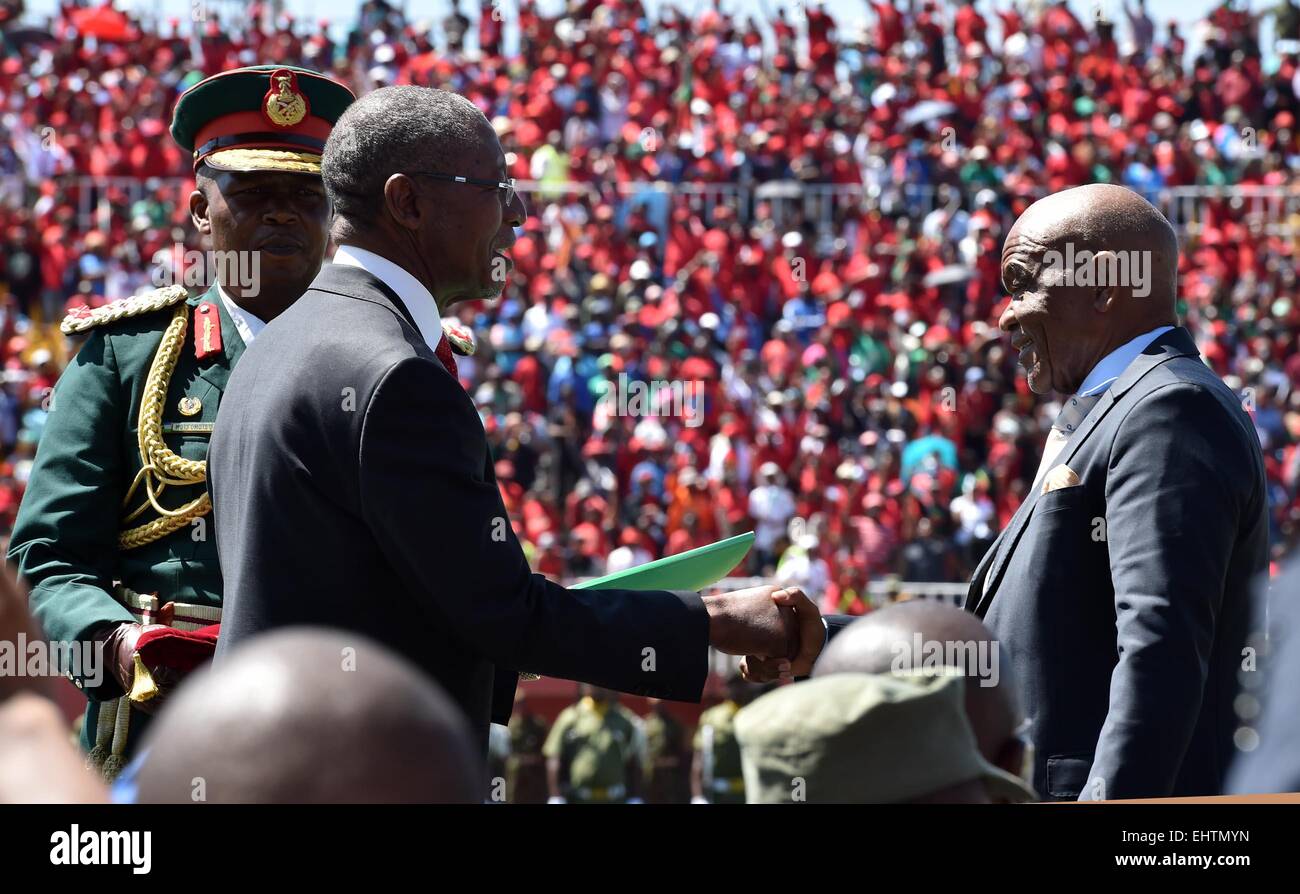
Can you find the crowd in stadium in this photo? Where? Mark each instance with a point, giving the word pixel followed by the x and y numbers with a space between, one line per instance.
pixel 861 411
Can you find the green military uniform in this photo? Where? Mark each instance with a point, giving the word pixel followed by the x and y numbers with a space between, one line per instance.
pixel 715 741
pixel 667 759
pixel 115 525
pixel 526 765
pixel 72 540
pixel 596 741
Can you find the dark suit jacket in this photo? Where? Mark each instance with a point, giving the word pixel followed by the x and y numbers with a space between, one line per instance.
pixel 353 488
pixel 1125 600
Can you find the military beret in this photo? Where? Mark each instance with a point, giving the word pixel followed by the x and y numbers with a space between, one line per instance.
pixel 261 118
pixel 865 739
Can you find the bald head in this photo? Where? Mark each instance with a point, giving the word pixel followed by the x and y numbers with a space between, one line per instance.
pixel 908 635
pixel 310 716
pixel 1088 269
pixel 1101 217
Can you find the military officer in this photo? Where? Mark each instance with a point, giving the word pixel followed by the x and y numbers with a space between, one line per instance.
pixel 593 754
pixel 668 756
pixel 716 776
pixel 114 532
pixel 526 765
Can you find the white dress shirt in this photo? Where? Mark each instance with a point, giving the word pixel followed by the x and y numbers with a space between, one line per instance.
pixel 1112 366
pixel 414 295
pixel 247 325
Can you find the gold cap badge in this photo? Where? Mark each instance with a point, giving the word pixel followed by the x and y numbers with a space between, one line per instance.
pixel 284 105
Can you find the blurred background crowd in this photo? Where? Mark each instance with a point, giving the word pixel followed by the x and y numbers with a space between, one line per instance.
pixel 805 219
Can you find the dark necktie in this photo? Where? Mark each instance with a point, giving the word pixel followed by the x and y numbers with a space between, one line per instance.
pixel 1073 412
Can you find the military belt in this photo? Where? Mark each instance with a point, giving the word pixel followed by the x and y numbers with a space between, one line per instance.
pixel 596 793
pixel 113 721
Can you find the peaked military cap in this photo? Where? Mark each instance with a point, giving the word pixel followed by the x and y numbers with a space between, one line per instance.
pixel 261 118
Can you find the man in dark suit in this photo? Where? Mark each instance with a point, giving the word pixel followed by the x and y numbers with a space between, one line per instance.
pixel 350 473
pixel 1121 586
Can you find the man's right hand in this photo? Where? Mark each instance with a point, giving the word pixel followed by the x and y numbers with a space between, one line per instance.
pixel 751 622
pixel 812 637
pixel 119 650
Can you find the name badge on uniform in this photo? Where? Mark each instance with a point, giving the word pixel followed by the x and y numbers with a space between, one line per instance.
pixel 187 428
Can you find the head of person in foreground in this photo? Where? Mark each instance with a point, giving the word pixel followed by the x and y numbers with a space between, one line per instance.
pixel 310 716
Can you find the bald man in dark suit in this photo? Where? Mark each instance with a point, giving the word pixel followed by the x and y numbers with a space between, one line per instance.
pixel 1121 586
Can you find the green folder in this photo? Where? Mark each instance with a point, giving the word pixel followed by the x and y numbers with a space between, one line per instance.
pixel 692 570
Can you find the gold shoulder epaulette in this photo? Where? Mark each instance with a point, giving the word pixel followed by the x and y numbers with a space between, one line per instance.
pixel 79 319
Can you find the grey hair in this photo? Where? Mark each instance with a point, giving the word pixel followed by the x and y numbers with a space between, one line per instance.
pixel 390 131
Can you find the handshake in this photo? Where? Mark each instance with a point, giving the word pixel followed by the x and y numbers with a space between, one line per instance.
pixel 779 631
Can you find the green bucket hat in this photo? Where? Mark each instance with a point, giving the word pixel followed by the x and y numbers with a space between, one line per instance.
pixel 865 739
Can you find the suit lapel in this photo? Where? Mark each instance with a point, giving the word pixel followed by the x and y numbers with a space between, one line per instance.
pixel 1000 551
pixel 976 588
pixel 1006 544
pixel 359 283
pixel 1175 343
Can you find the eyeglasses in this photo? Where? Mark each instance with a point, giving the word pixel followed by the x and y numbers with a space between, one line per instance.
pixel 507 185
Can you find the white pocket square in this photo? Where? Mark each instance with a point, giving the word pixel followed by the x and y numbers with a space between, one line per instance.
pixel 1059 477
